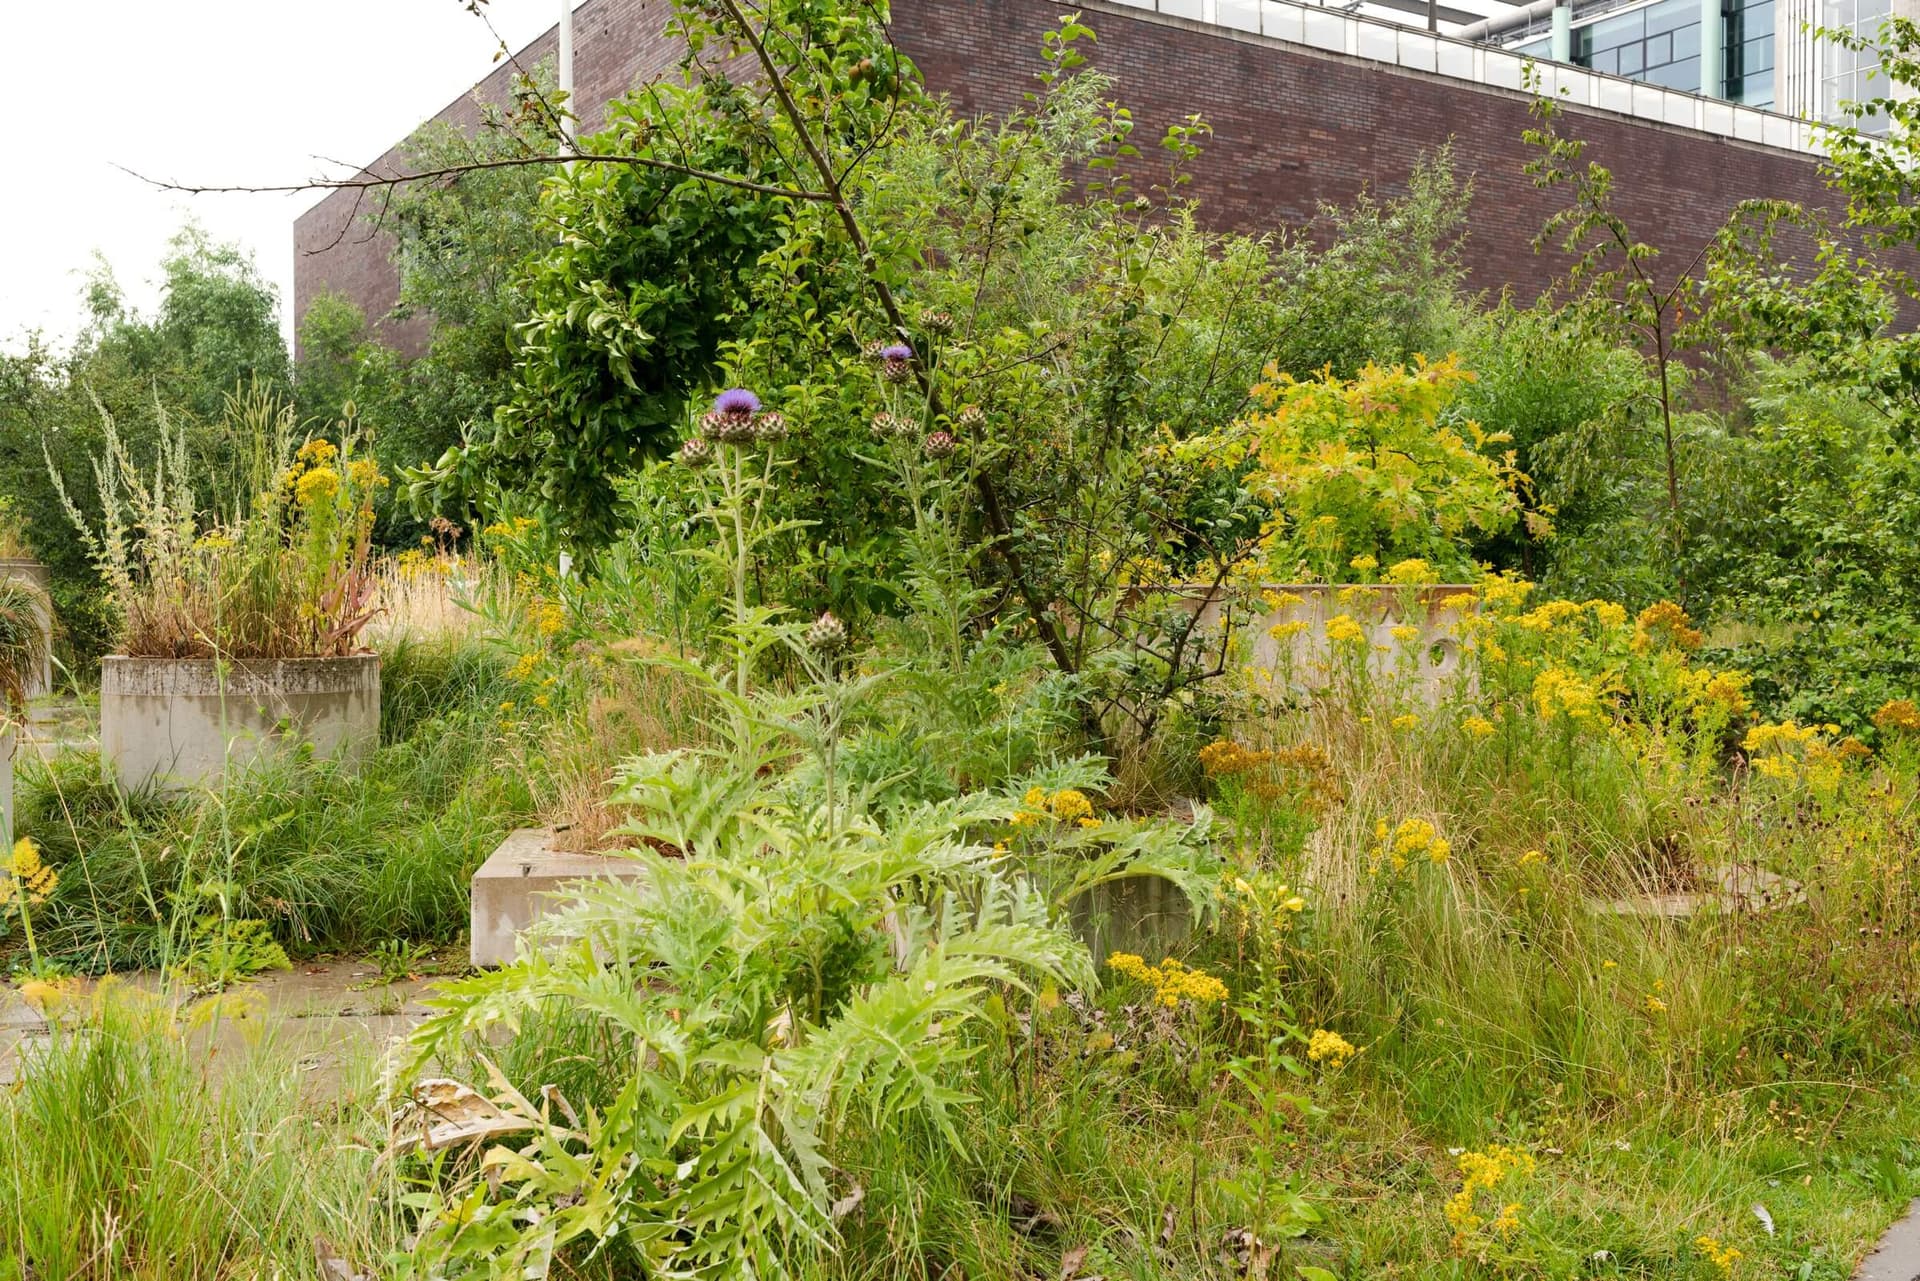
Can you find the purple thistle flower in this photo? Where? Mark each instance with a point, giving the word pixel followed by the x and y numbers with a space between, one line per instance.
pixel 896 352
pixel 736 402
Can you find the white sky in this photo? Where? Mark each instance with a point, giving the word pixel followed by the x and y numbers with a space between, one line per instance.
pixel 205 91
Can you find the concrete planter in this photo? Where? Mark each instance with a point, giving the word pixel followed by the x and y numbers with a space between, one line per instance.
pixel 178 723
pixel 1300 657
pixel 522 881
pixel 39 682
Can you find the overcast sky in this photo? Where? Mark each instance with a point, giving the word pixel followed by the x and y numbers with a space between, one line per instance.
pixel 205 91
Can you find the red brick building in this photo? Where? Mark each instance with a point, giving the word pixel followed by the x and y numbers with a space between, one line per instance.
pixel 1328 107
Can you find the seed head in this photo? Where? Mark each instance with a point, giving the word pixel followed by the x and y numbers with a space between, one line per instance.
pixel 827 635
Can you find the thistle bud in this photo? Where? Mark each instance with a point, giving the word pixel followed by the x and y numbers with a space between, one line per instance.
pixel 770 427
pixel 896 371
pixel 827 635
pixel 887 425
pixel 937 323
pixel 696 452
pixel 941 445
pixel 971 419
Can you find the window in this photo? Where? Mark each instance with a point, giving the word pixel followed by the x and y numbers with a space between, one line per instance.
pixel 1847 76
pixel 1747 54
pixel 1659 43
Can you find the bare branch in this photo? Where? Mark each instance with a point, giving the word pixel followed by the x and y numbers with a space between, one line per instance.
pixel 371 181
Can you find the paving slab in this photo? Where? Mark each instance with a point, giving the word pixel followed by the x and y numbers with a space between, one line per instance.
pixel 1897 1257
pixel 326 1018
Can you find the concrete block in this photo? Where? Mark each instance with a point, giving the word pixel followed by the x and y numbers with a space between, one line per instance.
pixel 520 882
pixel 1144 915
pixel 177 723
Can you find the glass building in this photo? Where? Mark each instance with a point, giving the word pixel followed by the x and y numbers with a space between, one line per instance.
pixel 1761 53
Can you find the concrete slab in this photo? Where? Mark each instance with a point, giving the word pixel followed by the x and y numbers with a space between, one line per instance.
pixel 326 1018
pixel 1897 1257
pixel 522 881
pixel 1730 887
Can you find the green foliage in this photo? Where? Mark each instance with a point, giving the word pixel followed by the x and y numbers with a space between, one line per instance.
pixel 787 981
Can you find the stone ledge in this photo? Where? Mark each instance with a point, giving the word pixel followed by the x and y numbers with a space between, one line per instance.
pixel 516 887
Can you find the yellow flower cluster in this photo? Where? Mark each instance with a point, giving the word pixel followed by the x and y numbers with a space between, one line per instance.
pixel 1485 1172
pixel 25 875
pixel 1790 752
pixel 1477 726
pixel 1899 715
pixel 1172 982
pixel 1665 624
pixel 1363 564
pixel 1533 858
pixel 1330 1047
pixel 1067 805
pixel 1409 572
pixel 1342 630
pixel 1722 1257
pixel 1405 723
pixel 1413 838
pixel 548 618
pixel 1727 691
pixel 317 453
pixel 317 485
pixel 1558 693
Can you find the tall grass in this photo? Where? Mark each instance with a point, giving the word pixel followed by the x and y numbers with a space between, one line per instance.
pixel 331 857
pixel 130 1149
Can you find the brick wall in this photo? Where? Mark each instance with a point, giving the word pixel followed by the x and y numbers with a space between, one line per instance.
pixel 1293 128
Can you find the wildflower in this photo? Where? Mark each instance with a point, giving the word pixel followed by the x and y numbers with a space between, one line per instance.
pixel 1405 723
pixel 696 452
pixel 549 618
pixel 1364 564
pixel 1410 571
pixel 1172 982
pixel 1478 726
pixel 1406 633
pixel 1090 822
pixel 1287 630
pixel 1608 614
pixel 736 402
pixel 1532 857
pixel 364 473
pixel 523 666
pixel 1342 629
pixel 1655 1005
pixel 826 635
pixel 1898 715
pixel 25 875
pixel 1413 838
pixel 940 445
pixel 1558 693
pixel 1070 804
pixel 896 363
pixel 1609 965
pixel 971 419
pixel 887 424
pixel 1330 1048
pixel 317 453
pixel 1722 1257
pixel 1506 590
pixel 317 485
pixel 541 700
pixel 769 427
pixel 1484 1172
pixel 1665 623
pixel 937 323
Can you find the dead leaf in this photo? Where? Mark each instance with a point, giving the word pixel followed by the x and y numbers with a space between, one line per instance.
pixel 332 1266
pixel 1168 1222
pixel 1070 1262
pixel 848 1204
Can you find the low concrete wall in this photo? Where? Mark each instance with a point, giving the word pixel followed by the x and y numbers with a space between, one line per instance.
pixel 523 880
pixel 1281 632
pixel 184 722
pixel 40 681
